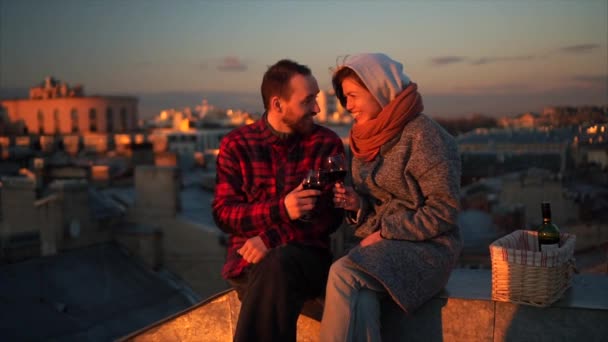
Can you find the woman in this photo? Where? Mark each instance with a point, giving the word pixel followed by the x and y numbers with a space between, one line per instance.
pixel 405 201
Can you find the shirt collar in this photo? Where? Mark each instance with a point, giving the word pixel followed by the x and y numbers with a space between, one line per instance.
pixel 273 136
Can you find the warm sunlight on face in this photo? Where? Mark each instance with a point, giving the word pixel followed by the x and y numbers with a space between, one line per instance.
pixel 302 104
pixel 359 101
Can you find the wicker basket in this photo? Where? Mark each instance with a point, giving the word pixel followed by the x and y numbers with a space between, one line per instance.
pixel 522 274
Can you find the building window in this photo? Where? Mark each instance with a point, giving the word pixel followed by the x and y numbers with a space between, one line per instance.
pixel 56 121
pixel 123 119
pixel 40 122
pixel 92 120
pixel 109 120
pixel 74 118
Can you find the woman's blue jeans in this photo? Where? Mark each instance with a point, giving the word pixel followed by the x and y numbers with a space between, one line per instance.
pixel 352 304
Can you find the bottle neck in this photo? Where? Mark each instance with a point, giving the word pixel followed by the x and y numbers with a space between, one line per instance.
pixel 546 212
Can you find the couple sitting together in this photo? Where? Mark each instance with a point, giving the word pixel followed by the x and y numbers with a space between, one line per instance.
pixel 403 203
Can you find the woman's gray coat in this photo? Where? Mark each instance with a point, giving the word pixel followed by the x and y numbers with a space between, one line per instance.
pixel 411 193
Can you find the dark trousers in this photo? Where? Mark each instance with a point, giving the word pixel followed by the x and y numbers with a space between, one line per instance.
pixel 273 292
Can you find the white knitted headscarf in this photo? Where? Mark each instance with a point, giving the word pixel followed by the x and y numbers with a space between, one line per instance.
pixel 382 76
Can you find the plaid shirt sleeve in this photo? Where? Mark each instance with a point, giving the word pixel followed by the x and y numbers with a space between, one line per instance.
pixel 232 212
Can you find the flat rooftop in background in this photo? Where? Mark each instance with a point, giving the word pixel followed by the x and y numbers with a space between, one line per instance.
pixel 96 293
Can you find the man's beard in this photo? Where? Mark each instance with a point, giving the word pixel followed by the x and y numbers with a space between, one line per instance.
pixel 303 126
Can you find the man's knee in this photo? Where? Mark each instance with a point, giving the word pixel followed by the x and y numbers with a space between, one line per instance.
pixel 271 265
pixel 279 264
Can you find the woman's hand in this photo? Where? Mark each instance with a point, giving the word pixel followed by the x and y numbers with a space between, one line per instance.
pixel 345 197
pixel 371 239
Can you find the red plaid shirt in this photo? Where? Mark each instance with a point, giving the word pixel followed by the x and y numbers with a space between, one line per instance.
pixel 255 171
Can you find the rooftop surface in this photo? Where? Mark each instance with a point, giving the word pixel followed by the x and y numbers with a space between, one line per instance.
pixel 93 294
pixel 195 202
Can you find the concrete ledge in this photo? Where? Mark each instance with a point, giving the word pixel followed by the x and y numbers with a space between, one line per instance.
pixel 588 291
pixel 464 311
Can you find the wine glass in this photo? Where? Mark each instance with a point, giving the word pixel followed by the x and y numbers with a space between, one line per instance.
pixel 335 166
pixel 315 179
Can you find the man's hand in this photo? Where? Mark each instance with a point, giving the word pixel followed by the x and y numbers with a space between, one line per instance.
pixel 254 250
pixel 299 201
pixel 371 239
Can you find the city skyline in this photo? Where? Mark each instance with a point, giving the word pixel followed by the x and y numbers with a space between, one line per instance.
pixel 495 58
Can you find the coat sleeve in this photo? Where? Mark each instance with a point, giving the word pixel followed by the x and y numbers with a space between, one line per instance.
pixel 439 188
pixel 436 216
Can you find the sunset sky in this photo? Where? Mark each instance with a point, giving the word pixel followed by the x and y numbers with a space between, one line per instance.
pixel 494 57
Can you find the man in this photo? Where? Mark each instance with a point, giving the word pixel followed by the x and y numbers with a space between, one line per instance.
pixel 276 261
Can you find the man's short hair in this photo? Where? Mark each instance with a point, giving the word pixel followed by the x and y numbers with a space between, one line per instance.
pixel 277 77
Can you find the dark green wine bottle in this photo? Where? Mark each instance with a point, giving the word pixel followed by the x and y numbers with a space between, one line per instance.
pixel 548 233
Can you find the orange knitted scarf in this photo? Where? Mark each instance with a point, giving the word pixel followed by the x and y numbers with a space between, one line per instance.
pixel 367 138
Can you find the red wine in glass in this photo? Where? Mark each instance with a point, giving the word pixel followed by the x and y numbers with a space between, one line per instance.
pixel 315 179
pixel 335 176
pixel 335 166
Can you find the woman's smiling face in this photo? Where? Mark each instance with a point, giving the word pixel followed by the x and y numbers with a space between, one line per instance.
pixel 359 101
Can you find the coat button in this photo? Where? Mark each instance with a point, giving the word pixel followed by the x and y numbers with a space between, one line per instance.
pixel 378 202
